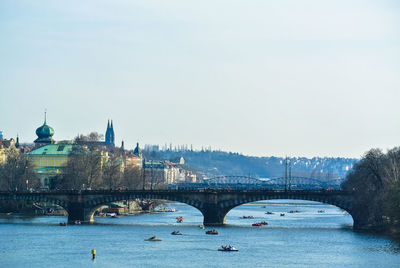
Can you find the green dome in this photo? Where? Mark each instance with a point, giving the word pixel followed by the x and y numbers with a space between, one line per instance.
pixel 44 133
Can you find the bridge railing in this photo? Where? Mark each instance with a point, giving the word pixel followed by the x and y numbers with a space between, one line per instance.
pixel 171 191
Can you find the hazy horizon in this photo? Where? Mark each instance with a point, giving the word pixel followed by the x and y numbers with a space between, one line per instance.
pixel 262 78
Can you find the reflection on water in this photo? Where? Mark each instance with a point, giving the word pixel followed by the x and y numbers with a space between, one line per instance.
pixel 303 239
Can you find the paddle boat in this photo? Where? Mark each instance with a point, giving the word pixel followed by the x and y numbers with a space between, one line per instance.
pixel 227 248
pixel 247 217
pixel 212 232
pixel 153 238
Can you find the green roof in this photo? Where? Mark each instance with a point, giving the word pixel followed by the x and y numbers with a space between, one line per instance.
pixel 53 149
pixel 48 170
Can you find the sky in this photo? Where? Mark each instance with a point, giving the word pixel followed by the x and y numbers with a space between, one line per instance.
pixel 259 77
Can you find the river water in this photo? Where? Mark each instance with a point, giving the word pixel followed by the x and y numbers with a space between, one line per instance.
pixel 305 239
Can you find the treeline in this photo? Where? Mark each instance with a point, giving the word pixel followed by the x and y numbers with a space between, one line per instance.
pixel 216 163
pixel 376 185
pixel 90 165
pixel 94 166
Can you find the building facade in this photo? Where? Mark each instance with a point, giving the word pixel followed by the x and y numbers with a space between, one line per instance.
pixel 48 161
pixel 4 146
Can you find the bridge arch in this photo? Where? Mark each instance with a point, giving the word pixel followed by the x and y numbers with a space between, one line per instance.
pixel 95 203
pixel 38 198
pixel 228 205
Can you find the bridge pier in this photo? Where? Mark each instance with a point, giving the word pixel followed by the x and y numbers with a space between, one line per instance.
pixel 76 211
pixel 213 215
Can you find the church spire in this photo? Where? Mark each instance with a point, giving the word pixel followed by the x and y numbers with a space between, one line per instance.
pixel 17 142
pixel 109 137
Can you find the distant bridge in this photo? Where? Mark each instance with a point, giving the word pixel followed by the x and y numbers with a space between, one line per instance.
pixel 278 183
pixel 213 204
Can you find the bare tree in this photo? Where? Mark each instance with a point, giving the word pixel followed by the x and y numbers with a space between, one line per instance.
pixel 112 173
pixel 375 183
pixel 83 169
pixel 16 173
pixel 132 177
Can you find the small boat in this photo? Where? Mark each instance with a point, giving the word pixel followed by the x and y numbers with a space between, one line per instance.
pixel 171 210
pixel 227 248
pixel 176 232
pixel 269 213
pixel 153 238
pixel 212 232
pixel 247 217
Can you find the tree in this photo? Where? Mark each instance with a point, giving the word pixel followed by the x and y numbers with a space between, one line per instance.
pixel 375 183
pixel 16 173
pixel 132 177
pixel 83 169
pixel 112 173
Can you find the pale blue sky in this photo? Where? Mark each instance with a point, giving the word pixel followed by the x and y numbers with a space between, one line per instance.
pixel 302 78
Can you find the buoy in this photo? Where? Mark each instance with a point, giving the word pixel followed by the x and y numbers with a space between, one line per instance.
pixel 93 254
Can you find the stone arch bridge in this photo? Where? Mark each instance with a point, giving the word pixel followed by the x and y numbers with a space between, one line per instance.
pixel 212 203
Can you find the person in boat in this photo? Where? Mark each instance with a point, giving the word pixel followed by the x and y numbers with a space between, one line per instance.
pixel 153 237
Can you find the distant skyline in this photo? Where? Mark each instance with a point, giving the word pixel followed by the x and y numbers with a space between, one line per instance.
pixel 259 77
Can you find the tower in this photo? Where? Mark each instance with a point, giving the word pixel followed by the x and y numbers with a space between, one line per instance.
pixel 44 133
pixel 112 134
pixel 17 142
pixel 109 137
pixel 138 152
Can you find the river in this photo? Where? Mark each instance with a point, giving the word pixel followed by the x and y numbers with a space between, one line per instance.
pixel 305 239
